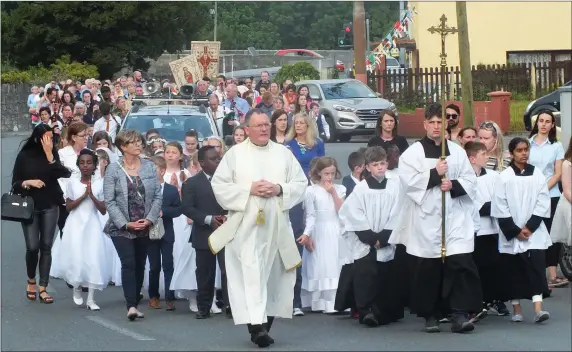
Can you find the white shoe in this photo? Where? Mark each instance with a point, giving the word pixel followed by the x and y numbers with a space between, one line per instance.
pixel 215 309
pixel 77 298
pixel 193 305
pixel 139 314
pixel 298 312
pixel 92 306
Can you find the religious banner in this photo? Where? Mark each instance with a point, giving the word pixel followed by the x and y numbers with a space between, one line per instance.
pixel 206 54
pixel 186 70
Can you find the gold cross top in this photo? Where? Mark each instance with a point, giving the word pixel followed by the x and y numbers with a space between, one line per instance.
pixel 443 30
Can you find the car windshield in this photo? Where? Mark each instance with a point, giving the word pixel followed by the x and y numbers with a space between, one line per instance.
pixel 391 62
pixel 170 127
pixel 347 90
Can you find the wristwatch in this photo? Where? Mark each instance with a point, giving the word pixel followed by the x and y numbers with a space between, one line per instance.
pixel 281 192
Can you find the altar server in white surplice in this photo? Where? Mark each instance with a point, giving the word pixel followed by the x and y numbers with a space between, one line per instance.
pixel 521 203
pixel 368 216
pixel 438 287
pixel 258 181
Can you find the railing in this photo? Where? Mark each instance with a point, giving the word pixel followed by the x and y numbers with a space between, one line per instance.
pixel 417 87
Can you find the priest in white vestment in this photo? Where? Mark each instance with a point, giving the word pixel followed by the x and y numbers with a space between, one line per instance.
pixel 453 286
pixel 258 181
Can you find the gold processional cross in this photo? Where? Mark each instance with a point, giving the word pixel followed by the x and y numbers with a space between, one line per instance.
pixel 443 31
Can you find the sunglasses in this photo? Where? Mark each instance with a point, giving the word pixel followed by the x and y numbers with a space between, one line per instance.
pixel 452 116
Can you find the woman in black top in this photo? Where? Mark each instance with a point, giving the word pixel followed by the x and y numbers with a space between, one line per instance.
pixel 386 132
pixel 36 172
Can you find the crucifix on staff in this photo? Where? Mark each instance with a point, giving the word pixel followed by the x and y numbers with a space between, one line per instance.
pixel 443 30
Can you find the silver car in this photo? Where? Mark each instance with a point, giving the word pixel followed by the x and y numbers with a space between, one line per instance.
pixel 350 107
pixel 171 121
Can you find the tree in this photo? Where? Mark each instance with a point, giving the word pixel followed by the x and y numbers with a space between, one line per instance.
pixel 110 35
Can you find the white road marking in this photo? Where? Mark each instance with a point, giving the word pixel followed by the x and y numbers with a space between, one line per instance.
pixel 118 329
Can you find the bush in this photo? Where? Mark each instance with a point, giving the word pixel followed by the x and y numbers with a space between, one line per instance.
pixel 63 68
pixel 297 72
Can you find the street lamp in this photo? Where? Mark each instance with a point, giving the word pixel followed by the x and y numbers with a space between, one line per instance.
pixel 214 12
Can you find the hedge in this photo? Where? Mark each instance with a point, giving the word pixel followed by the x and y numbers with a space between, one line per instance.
pixel 63 68
pixel 297 72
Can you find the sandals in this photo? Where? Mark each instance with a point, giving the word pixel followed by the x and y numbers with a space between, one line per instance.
pixel 31 295
pixel 557 282
pixel 47 299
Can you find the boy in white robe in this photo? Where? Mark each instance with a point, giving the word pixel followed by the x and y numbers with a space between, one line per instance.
pixel 486 254
pixel 521 202
pixel 258 181
pixel 368 216
pixel 439 285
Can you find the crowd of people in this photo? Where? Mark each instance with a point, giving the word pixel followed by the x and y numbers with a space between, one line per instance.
pixel 188 222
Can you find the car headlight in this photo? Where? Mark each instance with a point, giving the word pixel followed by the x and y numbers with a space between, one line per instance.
pixel 392 107
pixel 344 108
pixel 529 106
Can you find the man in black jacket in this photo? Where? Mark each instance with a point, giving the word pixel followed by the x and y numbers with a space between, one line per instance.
pixel 200 205
pixel 163 248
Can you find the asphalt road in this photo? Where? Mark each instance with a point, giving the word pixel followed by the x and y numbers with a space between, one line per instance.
pixel 63 326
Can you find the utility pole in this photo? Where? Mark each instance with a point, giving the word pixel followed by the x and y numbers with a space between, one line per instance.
pixel 401 50
pixel 465 62
pixel 359 40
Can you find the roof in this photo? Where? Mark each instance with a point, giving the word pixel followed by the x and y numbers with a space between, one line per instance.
pixel 327 81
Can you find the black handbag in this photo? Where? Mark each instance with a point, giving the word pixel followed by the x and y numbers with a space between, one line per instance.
pixel 16 207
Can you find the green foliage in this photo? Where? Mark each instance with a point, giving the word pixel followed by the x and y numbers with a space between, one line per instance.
pixel 110 35
pixel 300 25
pixel 297 72
pixel 63 68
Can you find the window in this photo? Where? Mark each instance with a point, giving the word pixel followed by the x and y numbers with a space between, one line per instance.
pixel 314 91
pixel 171 127
pixel 347 90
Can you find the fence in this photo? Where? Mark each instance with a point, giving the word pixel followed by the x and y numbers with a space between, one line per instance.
pixel 416 87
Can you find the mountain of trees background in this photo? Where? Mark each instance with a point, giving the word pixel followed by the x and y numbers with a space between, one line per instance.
pixel 114 35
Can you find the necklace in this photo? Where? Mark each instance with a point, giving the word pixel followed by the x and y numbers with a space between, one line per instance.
pixel 130 168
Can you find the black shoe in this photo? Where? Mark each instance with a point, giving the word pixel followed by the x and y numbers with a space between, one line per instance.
pixel 431 325
pixel 499 308
pixel 261 338
pixel 69 286
pixel 202 314
pixel 228 313
pixel 460 323
pixel 479 316
pixel 370 320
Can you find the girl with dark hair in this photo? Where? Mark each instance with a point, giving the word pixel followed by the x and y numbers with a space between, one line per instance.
pixel 520 203
pixel 83 253
pixel 547 154
pixel 467 134
pixel 386 132
pixel 279 126
pixel 36 173
pixel 302 105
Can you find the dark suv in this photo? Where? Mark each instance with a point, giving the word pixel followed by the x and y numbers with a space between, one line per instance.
pixel 549 102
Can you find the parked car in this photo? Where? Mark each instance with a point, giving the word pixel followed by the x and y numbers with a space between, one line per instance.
pixel 549 102
pixel 171 118
pixel 299 52
pixel 350 107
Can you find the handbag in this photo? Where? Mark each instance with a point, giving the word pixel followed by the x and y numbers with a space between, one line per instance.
pixel 157 230
pixel 16 207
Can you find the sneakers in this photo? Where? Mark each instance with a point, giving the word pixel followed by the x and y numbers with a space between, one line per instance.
pixel 460 323
pixel 193 304
pixel 215 309
pixel 298 312
pixel 499 308
pixel 431 325
pixel 479 316
pixel 516 318
pixel 541 316
pixel 444 321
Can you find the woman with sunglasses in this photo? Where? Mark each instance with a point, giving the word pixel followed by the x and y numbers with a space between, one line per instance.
pixel 547 154
pixel 490 135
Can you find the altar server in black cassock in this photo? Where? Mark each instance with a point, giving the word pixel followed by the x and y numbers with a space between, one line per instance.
pixel 438 287
pixel 368 216
pixel 486 254
pixel 520 203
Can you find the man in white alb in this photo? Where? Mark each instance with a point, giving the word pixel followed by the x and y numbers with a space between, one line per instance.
pixel 453 286
pixel 258 181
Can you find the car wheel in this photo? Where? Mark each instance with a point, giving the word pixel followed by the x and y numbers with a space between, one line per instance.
pixel 344 138
pixel 333 131
pixel 566 261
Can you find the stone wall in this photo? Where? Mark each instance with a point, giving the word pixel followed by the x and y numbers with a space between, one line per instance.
pixel 14 110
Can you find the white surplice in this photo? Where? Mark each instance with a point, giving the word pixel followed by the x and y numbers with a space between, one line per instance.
pixel 371 209
pixel 419 223
pixel 520 197
pixel 485 191
pixel 260 258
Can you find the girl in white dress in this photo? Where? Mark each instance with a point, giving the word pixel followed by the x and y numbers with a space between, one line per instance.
pixel 561 231
pixel 104 156
pixel 321 264
pixel 83 254
pixel 184 281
